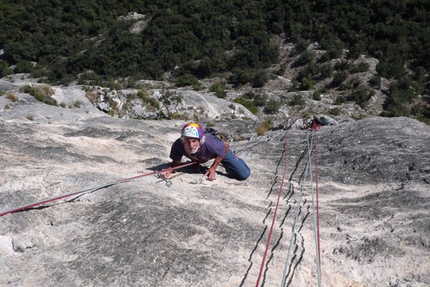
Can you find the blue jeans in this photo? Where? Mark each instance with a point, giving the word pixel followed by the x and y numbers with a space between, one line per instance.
pixel 235 167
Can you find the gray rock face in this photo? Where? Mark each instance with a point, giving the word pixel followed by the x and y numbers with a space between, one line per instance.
pixel 373 190
pixel 379 150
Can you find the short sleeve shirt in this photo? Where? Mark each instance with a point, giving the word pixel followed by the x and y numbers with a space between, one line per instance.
pixel 211 148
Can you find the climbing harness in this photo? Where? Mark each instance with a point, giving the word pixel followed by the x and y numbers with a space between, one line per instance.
pixel 32 205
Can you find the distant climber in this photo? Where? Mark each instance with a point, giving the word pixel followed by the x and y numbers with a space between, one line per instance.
pixel 200 147
pixel 306 123
pixel 323 120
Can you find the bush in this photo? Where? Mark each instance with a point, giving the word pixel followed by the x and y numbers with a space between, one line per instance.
pixel 186 80
pixel 240 77
pixel 42 93
pixel 260 100
pixel 24 67
pixel 152 103
pixel 339 78
pixel 341 66
pixel 325 71
pixel 12 97
pixel 247 104
pixel 360 96
pixel 90 78
pixel 261 129
pixel 249 95
pixel 360 68
pixel 308 84
pixel 4 69
pixel 339 100
pixel 297 100
pixel 317 95
pixel 219 89
pixel 305 58
pixel 399 97
pixel 391 69
pixel 334 111
pixel 375 82
pixel 282 70
pixel 260 79
pixel 272 107
pixel 332 53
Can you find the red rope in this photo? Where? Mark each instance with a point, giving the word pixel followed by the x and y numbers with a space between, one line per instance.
pixel 31 205
pixel 274 213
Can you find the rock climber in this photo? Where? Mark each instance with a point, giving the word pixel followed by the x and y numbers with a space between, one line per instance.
pixel 200 147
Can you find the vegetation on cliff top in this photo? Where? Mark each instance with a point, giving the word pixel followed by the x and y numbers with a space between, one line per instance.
pixel 102 40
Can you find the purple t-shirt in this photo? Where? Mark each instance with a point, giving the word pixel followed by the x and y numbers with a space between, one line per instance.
pixel 211 148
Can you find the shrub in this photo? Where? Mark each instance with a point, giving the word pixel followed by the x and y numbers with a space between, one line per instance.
pixel 297 100
pixel 247 104
pixel 261 129
pixel 197 86
pixel 399 98
pixel 4 69
pixel 42 93
pixel 325 71
pixel 187 80
pixel 309 71
pixel 240 77
pixel 317 95
pixel 249 95
pixel 339 78
pixel 308 84
pixel 151 103
pixel 264 127
pixel 219 89
pixel 334 111
pixel 391 69
pixel 339 100
pixel 305 58
pixel 360 96
pixel 294 85
pixel 260 79
pixel 359 68
pixel 24 67
pixel 260 100
pixel 375 82
pixel 12 97
pixel 341 66
pixel 332 53
pixel 272 107
pixel 282 69
pixel 89 77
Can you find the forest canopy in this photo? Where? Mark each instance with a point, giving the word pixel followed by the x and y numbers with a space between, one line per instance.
pixel 59 40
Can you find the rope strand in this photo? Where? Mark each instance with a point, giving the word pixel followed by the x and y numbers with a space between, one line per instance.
pixel 318 237
pixel 293 233
pixel 274 213
pixel 50 199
